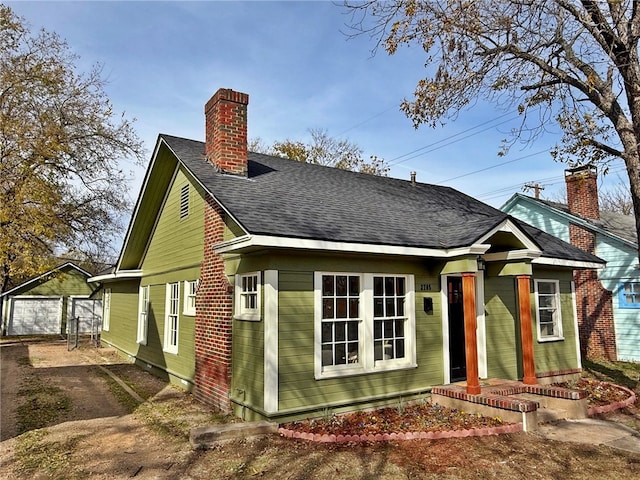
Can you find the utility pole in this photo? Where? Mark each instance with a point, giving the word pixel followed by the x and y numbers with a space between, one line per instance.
pixel 535 187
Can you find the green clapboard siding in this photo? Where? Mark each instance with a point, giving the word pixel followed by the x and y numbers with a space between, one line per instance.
pixel 177 242
pixel 556 355
pixel 248 370
pixel 501 330
pixel 63 283
pixel 123 318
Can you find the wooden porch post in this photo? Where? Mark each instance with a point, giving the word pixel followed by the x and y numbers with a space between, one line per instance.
pixel 526 331
pixel 470 326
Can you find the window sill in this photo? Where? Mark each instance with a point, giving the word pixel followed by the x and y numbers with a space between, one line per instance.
pixel 551 339
pixel 189 314
pixel 172 352
pixel 353 372
pixel 248 318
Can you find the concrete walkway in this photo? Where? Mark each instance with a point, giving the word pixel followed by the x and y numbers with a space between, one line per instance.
pixel 592 431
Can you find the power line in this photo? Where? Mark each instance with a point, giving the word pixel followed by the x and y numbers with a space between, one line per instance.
pixel 491 167
pixel 393 161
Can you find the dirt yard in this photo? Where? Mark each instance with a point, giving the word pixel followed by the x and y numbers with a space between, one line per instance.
pixel 100 433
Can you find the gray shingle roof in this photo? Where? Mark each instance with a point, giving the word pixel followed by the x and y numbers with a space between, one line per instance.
pixel 281 197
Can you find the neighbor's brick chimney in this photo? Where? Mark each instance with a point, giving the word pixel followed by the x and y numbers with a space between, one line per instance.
pixel 226 131
pixel 593 302
pixel 582 191
pixel 226 147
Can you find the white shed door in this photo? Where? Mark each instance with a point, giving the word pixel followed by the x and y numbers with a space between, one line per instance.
pixel 89 311
pixel 35 316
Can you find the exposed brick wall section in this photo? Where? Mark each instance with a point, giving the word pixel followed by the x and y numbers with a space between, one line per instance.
pixel 214 307
pixel 582 192
pixel 594 304
pixel 226 131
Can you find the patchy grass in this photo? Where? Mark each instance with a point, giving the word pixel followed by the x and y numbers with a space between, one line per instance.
pixel 43 404
pixel 122 396
pixel 36 454
pixel 626 374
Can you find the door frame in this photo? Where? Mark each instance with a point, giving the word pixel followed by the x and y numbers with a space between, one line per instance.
pixel 481 337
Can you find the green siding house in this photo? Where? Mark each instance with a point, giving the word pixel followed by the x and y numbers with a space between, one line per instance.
pixel 278 289
pixel 43 305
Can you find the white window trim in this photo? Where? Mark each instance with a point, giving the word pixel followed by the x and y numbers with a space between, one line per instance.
pixel 168 347
pixel 143 315
pixel 106 310
pixel 365 330
pixel 240 314
pixel 186 309
pixel 560 335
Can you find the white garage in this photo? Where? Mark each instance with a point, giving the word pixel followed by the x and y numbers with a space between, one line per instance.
pixel 34 315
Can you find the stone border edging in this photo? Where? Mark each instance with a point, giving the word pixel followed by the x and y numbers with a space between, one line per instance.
pixel 386 437
pixel 616 405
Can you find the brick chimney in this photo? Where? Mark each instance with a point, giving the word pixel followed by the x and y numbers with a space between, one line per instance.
pixel 226 131
pixel 582 191
pixel 594 303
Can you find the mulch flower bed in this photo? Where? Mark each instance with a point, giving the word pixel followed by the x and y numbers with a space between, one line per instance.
pixel 600 393
pixel 427 417
pixel 420 417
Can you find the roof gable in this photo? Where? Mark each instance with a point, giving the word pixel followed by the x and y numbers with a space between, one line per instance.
pixel 620 228
pixel 48 276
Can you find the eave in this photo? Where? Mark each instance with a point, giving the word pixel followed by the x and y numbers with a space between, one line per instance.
pixel 251 242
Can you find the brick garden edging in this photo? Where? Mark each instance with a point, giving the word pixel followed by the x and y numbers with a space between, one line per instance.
pixel 616 405
pixel 386 437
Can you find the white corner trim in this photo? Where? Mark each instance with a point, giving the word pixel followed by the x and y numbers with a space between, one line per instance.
pixel 311 244
pixel 575 323
pixel 270 285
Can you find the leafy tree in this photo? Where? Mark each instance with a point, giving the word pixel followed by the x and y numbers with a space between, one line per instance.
pixel 324 150
pixel 575 62
pixel 61 145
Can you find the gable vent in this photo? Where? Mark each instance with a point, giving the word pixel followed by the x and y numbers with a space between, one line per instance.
pixel 184 201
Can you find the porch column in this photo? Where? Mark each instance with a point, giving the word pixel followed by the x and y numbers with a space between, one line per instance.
pixel 470 327
pixel 526 331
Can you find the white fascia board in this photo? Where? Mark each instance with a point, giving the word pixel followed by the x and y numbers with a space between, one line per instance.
pixel 266 241
pixel 120 274
pixel 508 226
pixel 513 255
pixel 559 262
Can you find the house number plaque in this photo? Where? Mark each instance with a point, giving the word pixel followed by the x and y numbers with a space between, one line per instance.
pixel 425 287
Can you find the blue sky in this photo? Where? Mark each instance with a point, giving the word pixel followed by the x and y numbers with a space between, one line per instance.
pixel 164 60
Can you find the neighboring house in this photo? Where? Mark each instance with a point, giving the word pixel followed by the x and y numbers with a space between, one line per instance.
pixel 44 304
pixel 609 301
pixel 279 289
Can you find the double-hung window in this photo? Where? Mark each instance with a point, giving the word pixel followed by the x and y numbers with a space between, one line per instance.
pixel 190 289
pixel 247 298
pixel 171 326
pixel 629 294
pixel 143 315
pixel 548 311
pixel 364 323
